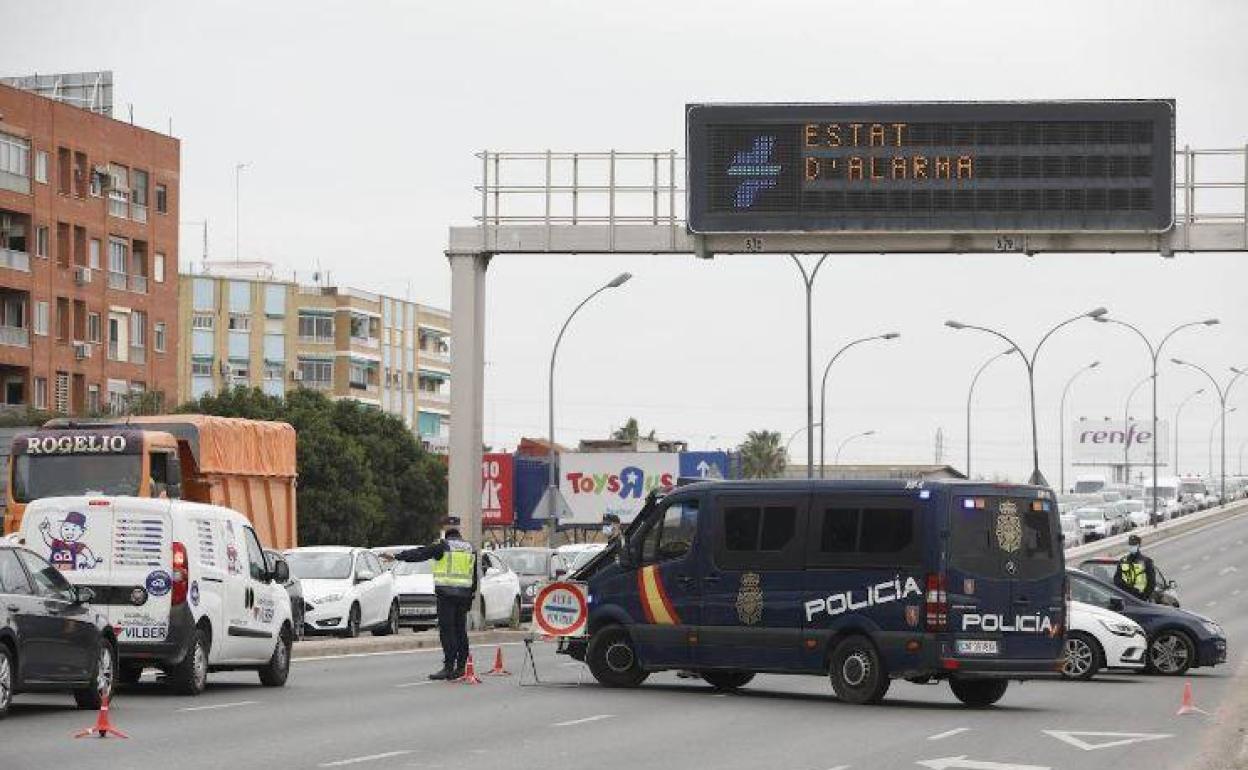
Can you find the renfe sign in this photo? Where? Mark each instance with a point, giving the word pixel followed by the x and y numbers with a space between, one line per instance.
pixel 1109 442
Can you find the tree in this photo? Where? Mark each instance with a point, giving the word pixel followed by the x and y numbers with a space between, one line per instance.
pixel 364 479
pixel 631 431
pixel 762 457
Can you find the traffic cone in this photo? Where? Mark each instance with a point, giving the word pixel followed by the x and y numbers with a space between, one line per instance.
pixel 1187 706
pixel 103 728
pixel 499 669
pixel 470 673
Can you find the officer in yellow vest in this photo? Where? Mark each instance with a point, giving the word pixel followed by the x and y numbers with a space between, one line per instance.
pixel 455 585
pixel 1136 574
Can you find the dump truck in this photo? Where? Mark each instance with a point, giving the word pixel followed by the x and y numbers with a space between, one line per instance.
pixel 247 465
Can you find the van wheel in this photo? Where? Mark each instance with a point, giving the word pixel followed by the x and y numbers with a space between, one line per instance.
pixel 1170 653
pixel 392 622
pixel 102 682
pixel 353 622
pixel 857 674
pixel 6 679
pixel 1083 656
pixel 190 676
pixel 978 693
pixel 613 660
pixel 728 680
pixel 274 674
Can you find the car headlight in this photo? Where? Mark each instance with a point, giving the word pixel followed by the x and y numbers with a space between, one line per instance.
pixel 329 598
pixel 530 590
pixel 1213 628
pixel 1119 628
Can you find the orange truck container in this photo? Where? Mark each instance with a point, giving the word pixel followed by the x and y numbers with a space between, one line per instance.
pixel 246 465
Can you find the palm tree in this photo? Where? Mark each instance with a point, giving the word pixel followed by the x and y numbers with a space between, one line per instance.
pixel 762 457
pixel 631 431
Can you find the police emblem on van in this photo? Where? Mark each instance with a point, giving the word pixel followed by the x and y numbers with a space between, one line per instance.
pixel 750 599
pixel 1009 527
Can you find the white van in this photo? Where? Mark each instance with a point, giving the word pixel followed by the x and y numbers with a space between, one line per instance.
pixel 185 585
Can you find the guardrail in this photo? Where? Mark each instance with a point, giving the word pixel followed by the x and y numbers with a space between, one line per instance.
pixel 1162 531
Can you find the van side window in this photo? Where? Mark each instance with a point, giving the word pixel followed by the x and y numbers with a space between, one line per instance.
pixel 12 577
pixel 159 464
pixel 872 533
pixel 255 555
pixel 671 538
pixel 758 536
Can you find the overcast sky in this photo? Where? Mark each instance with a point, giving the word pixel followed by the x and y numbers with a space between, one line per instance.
pixel 359 120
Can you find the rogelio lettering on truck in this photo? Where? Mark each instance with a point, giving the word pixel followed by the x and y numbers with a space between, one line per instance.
pixel 859 581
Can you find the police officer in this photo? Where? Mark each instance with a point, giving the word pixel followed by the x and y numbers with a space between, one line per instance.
pixel 1135 573
pixel 455 585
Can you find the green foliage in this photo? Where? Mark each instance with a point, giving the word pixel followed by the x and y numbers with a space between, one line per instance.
pixel 631 431
pixel 22 418
pixel 762 457
pixel 364 479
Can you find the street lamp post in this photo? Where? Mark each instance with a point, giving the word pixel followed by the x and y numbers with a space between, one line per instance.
pixel 238 174
pixel 823 388
pixel 837 457
pixel 789 444
pixel 808 280
pixel 1177 414
pixel 1126 418
pixel 1224 392
pixel 1037 478
pixel 970 394
pixel 1061 417
pixel 1155 354
pixel 1213 427
pixel 552 489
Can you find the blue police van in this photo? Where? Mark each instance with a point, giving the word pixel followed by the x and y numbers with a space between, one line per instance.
pixel 859 581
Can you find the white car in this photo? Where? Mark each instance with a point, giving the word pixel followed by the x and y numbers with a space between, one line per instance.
pixel 1099 638
pixel 1071 535
pixel 413 581
pixel 583 556
pixel 1093 523
pixel 500 592
pixel 499 603
pixel 348 589
pixel 1138 512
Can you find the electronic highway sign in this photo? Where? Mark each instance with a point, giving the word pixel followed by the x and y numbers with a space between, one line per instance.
pixel 1083 166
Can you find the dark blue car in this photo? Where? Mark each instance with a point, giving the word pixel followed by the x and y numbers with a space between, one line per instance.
pixel 860 581
pixel 1177 639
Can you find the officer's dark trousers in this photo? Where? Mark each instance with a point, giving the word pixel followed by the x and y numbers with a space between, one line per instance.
pixel 453 629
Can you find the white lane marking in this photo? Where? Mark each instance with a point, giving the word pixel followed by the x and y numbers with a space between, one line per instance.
pixel 417 684
pixel 1185 567
pixel 1205 557
pixel 369 758
pixel 839 767
pixel 347 655
pixel 1228 570
pixel 962 763
pixel 1120 739
pixel 594 718
pixel 1235 592
pixel 216 706
pixel 948 733
pixel 1213 603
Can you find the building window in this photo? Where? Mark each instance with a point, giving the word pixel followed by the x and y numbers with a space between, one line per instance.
pixel 358 376
pixel 240 297
pixel 93 399
pixel 274 370
pixel 41 241
pixel 93 327
pixel 203 342
pixel 240 323
pixel 315 372
pixel 118 255
pixel 14 163
pixel 201 367
pixel 61 392
pixel 274 347
pixel 41 392
pixel 319 328
pixel 203 321
pixel 204 290
pixel 138 329
pixel 274 300
pixel 240 370
pixel 162 199
pixel 158 337
pixel 158 268
pixel 93 254
pixel 41 166
pixel 41 318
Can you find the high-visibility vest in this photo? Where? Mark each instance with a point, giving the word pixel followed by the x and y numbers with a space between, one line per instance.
pixel 1133 574
pixel 455 568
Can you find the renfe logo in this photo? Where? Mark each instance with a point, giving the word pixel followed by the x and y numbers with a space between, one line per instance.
pixel 1131 436
pixel 631 481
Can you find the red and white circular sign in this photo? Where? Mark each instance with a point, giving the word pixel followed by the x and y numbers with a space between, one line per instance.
pixel 562 609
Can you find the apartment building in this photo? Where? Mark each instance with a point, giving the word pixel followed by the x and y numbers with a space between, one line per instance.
pixel 277 335
pixel 88 257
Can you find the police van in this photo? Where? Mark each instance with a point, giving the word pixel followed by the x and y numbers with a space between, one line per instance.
pixel 185 586
pixel 860 581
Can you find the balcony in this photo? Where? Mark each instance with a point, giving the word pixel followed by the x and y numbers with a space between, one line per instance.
pixel 316 384
pixel 118 204
pixel 116 280
pixel 435 356
pixel 433 398
pixel 138 355
pixel 366 342
pixel 138 213
pixel 15 336
pixel 15 260
pixel 138 284
pixel 113 351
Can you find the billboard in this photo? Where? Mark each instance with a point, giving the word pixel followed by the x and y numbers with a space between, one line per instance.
pixel 1062 166
pixel 1110 442
pixel 597 483
pixel 497 490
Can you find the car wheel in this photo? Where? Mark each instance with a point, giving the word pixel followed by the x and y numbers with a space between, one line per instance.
pixel 1171 653
pixel 1083 656
pixel 728 680
pixel 274 673
pixel 353 622
pixel 613 660
pixel 102 681
pixel 190 676
pixel 392 622
pixel 514 620
pixel 857 674
pixel 7 676
pixel 978 693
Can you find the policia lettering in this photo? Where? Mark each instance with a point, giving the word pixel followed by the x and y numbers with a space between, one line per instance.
pixel 454 569
pixel 880 593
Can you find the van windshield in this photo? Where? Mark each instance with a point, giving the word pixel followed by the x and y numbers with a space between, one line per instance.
pixel 1087 487
pixel 60 475
pixel 1004 537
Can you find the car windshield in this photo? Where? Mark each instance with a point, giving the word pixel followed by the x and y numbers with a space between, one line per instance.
pixel 1131 506
pixel 527 562
pixel 319 565
pixel 413 568
pixel 61 475
pixel 1087 487
pixel 989 532
pixel 1193 487
pixel 1090 514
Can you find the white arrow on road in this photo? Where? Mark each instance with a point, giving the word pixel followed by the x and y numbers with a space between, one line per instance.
pixel 1228 570
pixel 962 763
pixel 1076 738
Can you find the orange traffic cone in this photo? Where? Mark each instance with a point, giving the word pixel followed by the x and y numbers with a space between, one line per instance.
pixel 103 728
pixel 470 673
pixel 1187 706
pixel 499 669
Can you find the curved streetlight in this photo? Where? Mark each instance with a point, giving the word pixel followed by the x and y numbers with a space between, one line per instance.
pixel 808 280
pixel 1224 392
pixel 1126 437
pixel 1241 456
pixel 1037 478
pixel 837 457
pixel 970 394
pixel 789 443
pixel 1154 353
pixel 552 491
pixel 823 388
pixel 1061 417
pixel 1221 420
pixel 1177 414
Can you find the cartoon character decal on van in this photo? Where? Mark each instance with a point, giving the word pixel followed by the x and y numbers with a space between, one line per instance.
pixel 67 552
pixel 231 550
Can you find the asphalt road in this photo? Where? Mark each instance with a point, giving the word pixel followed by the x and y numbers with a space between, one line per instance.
pixel 377 711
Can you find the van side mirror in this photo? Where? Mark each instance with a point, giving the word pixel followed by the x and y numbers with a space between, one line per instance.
pixel 83 595
pixel 281 572
pixel 1116 604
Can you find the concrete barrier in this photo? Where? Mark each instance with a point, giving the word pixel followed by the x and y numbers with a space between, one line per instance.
pixel 1158 533
pixel 404 641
